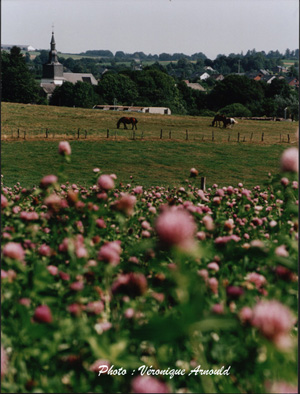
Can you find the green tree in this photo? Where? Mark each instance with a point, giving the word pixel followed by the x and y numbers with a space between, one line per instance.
pixel 235 89
pixel 156 88
pixel 18 84
pixel 278 87
pixel 293 72
pixel 81 94
pixel 188 97
pixel 119 87
pixel 63 95
pixel 84 95
pixel 235 109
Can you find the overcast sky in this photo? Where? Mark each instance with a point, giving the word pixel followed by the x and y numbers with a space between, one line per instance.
pixel 153 26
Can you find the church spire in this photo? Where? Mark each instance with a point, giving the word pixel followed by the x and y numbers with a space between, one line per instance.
pixel 53 71
pixel 53 53
pixel 52 43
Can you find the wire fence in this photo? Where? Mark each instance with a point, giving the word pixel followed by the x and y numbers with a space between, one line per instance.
pixel 215 135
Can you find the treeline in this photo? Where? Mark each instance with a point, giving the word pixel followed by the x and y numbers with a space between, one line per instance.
pixel 180 66
pixel 120 55
pixel 236 95
pixel 289 54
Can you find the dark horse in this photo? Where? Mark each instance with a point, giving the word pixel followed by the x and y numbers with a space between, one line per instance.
pixel 218 119
pixel 126 121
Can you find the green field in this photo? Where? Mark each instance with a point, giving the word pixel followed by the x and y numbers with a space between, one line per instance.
pixel 150 160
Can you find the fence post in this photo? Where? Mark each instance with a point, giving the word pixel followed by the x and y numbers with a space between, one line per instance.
pixel 212 135
pixel 107 133
pixel 160 133
pixel 186 135
pixel 244 139
pixel 133 134
pixel 85 134
pixel 238 137
pixel 228 137
pixel 78 133
pixel 288 138
pixel 203 181
pixel 18 133
pixel 170 135
pixel 262 136
pixel 142 137
pixel 251 136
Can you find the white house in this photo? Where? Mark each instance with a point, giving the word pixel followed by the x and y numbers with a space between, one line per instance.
pixel 27 48
pixel 204 76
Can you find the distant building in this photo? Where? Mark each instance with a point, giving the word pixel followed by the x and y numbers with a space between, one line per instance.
pixel 204 76
pixel 293 81
pixel 217 77
pixel 54 75
pixel 129 108
pixel 27 48
pixel 208 68
pixel 75 77
pixel 279 69
pixel 53 71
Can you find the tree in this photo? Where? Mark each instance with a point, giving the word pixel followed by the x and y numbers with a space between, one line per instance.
pixel 235 109
pixel 235 89
pixel 84 95
pixel 120 55
pixel 293 72
pixel 117 86
pixel 18 84
pixel 63 95
pixel 187 96
pixel 81 94
pixel 69 63
pixel 278 87
pixel 42 58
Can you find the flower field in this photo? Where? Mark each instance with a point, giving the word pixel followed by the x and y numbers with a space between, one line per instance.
pixel 115 288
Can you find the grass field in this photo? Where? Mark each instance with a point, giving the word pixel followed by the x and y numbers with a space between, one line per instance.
pixel 150 160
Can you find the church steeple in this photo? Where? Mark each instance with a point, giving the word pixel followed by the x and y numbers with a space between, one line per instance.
pixel 53 52
pixel 53 70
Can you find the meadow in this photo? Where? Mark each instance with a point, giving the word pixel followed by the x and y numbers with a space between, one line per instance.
pixel 120 274
pixel 118 289
pixel 221 155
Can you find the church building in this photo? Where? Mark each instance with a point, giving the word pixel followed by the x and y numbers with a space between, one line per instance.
pixel 54 75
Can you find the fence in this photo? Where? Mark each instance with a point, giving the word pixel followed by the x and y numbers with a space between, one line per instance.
pixel 216 135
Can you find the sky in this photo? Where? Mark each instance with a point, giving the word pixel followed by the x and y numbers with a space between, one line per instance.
pixel 153 26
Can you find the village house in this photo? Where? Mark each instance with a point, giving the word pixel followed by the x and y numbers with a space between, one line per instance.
pixel 27 48
pixel 217 77
pixel 204 76
pixel 293 81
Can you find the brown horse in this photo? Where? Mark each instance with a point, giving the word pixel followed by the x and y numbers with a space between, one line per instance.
pixel 218 119
pixel 126 121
